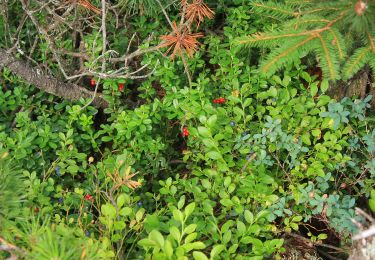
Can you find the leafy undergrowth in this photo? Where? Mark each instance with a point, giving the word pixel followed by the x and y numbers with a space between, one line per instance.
pixel 230 167
pixel 183 175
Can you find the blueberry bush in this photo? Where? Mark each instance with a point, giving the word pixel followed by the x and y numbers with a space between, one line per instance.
pixel 204 158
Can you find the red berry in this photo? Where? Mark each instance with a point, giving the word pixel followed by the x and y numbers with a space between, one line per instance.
pixel 92 82
pixel 219 100
pixel 185 132
pixel 36 210
pixel 121 86
pixel 88 197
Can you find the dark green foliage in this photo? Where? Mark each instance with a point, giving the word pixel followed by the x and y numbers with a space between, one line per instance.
pixel 317 27
pixel 179 176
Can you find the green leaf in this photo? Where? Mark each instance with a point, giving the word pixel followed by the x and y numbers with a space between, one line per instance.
pixel 151 222
pixel 175 233
pixel 199 256
pixel 306 139
pixel 216 250
pixel 178 215
pixel 209 143
pixel 324 85
pixel 212 121
pixel 190 237
pixel 109 210
pixel 121 200
pixel 227 236
pixel 204 132
pixel 213 155
pixel 272 92
pixel 241 228
pixel 190 229
pixel 119 225
pixel 168 249
pixel 246 240
pixel 195 245
pixel 157 237
pixel 313 89
pixel 371 203
pixel 126 211
pixel 262 214
pixel 189 209
pixel 316 132
pixel 147 243
pixel 294 226
pixel 181 202
pixel 139 214
pixel 226 202
pixel 249 217
pixel 322 236
pixel 297 219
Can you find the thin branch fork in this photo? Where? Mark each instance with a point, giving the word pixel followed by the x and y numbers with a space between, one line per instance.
pixel 47 83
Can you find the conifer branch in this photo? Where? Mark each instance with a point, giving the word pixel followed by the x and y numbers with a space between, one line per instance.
pixel 337 42
pixel 275 9
pixel 357 61
pixel 287 52
pixel 328 58
pixel 371 41
pixel 318 27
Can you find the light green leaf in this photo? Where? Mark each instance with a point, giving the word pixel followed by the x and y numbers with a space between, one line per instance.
pixel 212 121
pixel 191 237
pixel 126 211
pixel 324 85
pixel 372 204
pixel 157 237
pixel 199 256
pixel 216 250
pixel 168 249
pixel 213 155
pixel 109 210
pixel 226 202
pixel 203 131
pixel 190 229
pixel 147 243
pixel 175 233
pixel 249 217
pixel 178 215
pixel 313 89
pixel 121 200
pixel 181 202
pixel 189 209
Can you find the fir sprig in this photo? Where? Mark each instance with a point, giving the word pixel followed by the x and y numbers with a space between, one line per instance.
pixel 320 28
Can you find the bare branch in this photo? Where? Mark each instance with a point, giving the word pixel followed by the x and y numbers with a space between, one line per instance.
pixel 47 83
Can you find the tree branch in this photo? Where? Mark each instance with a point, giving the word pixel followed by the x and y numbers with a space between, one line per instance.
pixel 47 83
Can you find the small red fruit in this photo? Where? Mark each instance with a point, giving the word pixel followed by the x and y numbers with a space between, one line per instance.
pixel 36 210
pixel 121 86
pixel 88 197
pixel 92 82
pixel 185 132
pixel 219 100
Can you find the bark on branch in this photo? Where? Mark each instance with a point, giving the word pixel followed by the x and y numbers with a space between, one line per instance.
pixel 47 83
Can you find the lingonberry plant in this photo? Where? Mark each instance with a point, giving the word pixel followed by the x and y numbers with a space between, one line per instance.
pixel 191 156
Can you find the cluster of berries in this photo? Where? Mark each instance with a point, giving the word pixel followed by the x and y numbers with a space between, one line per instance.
pixel 219 100
pixel 88 197
pixel 121 86
pixel 185 132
